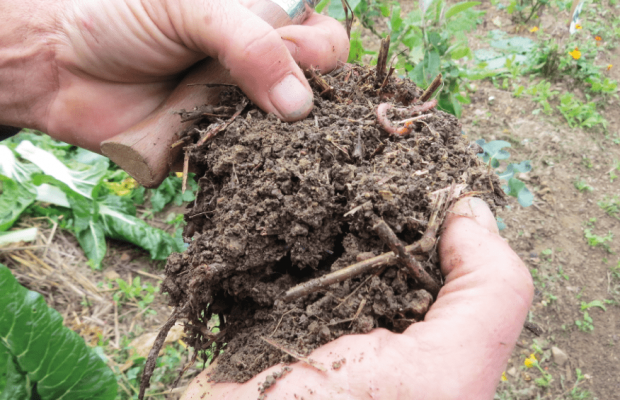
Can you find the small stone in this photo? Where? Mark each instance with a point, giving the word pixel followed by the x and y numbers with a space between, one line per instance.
pixel 324 333
pixel 111 275
pixel 559 357
pixel 512 372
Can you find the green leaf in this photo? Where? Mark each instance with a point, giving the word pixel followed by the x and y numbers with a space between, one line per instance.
pixel 493 150
pixel 512 169
pixel 14 384
pixel 517 188
pixel 46 352
pixel 319 7
pixel 13 201
pixel 356 48
pixel 82 182
pixel 118 225
pixel 92 241
pixel 335 10
pixel 21 235
pixel 460 7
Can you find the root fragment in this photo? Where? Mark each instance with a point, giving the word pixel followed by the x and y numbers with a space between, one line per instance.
pixel 413 267
pixel 428 93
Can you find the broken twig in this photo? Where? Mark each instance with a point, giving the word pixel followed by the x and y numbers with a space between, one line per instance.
pixel 428 93
pixel 413 267
pixel 295 354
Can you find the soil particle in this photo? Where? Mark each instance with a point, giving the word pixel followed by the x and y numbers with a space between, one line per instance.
pixel 282 203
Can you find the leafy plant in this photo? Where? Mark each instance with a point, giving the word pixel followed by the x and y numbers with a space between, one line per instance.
pixel 39 357
pixel 582 186
pixel 611 205
pixel 586 324
pixel 525 10
pixel 596 240
pixel 580 114
pixel 594 303
pixel 492 153
pixel 142 293
pixel 92 212
pixel 542 93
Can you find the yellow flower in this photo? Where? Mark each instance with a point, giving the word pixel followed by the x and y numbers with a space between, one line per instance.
pixel 530 361
pixel 578 26
pixel 598 38
pixel 576 54
pixel 534 29
pixel 179 174
pixel 504 377
pixel 609 66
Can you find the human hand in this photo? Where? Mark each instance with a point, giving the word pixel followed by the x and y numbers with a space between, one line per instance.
pixel 458 352
pixel 114 61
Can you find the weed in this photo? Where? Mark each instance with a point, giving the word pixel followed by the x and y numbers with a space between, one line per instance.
pixel 580 114
pixel 542 93
pixel 142 294
pixel 585 325
pixel 611 205
pixel 594 303
pixel 582 186
pixel 612 171
pixel 596 240
pixel 524 10
pixel 586 162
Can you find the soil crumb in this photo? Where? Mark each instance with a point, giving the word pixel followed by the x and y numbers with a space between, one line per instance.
pixel 281 204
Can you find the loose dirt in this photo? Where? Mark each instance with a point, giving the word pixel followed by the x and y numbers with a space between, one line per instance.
pixel 281 204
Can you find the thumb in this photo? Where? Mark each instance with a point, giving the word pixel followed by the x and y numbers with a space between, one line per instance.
pixel 254 53
pixel 480 310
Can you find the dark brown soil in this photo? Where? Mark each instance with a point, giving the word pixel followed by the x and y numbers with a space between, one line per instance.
pixel 273 211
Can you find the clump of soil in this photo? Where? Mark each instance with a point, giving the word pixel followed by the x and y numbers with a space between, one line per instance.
pixel 284 203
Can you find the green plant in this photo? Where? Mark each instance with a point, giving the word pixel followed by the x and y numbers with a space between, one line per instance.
pixel 577 393
pixel 542 93
pixel 77 194
pixel 39 357
pixel 612 171
pixel 611 205
pixel 141 293
pixel 525 10
pixel 492 153
pixel 582 186
pixel 585 325
pixel 594 303
pixel 580 114
pixel 596 240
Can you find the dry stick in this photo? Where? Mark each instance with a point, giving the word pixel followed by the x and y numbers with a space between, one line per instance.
pixel 185 170
pixel 413 267
pixel 351 271
pixel 382 58
pixel 220 127
pixel 149 367
pixel 431 89
pixel 116 332
pixel 296 355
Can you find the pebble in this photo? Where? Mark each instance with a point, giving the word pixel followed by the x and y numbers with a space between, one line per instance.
pixel 559 357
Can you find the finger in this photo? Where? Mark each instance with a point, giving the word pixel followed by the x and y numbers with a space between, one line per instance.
pixel 321 42
pixel 253 52
pixel 485 300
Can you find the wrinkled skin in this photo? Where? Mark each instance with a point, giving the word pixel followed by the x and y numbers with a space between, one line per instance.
pixel 95 68
pixel 458 352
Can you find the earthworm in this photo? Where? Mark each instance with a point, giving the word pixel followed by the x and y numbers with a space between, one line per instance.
pixel 384 121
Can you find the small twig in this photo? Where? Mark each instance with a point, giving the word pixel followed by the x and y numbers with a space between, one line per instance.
pixel 185 170
pixel 358 312
pixel 117 335
pixel 378 151
pixel 295 354
pixel 353 292
pixel 428 93
pixel 220 127
pixel 351 271
pixel 281 318
pixel 413 267
pixel 382 58
pixel 49 240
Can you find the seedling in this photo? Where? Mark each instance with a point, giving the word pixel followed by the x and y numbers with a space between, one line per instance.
pixel 586 324
pixel 596 240
pixel 142 294
pixel 582 186
pixel 580 114
pixel 611 205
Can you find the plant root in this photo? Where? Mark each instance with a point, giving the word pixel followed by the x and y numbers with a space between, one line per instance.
pixel 296 355
pixel 413 267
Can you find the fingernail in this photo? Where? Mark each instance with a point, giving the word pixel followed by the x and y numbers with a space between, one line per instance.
pixel 478 210
pixel 291 98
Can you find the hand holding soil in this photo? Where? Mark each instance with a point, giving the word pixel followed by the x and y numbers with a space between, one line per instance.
pixel 90 70
pixel 459 351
